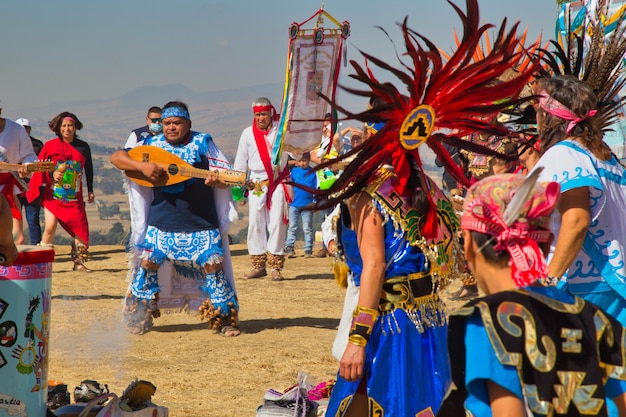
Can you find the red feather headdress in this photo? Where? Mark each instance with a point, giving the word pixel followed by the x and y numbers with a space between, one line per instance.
pixel 444 101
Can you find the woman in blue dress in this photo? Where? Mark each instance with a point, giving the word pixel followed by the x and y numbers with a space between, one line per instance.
pixel 397 230
pixel 395 360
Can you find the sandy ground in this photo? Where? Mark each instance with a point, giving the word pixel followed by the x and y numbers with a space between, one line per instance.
pixel 287 327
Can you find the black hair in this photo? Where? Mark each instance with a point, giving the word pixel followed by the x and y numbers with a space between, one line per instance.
pixel 176 104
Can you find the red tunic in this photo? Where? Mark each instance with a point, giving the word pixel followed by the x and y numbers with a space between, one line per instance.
pixel 64 199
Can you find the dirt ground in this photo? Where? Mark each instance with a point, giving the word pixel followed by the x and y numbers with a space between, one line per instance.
pixel 287 327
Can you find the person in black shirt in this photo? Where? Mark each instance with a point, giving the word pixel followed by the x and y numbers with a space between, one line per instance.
pixel 33 209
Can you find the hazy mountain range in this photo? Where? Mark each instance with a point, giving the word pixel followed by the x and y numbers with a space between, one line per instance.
pixel 223 114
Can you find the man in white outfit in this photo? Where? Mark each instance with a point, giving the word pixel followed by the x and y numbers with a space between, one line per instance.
pixel 15 147
pixel 137 193
pixel 267 205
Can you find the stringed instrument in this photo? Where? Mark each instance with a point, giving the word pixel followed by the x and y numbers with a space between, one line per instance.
pixel 39 166
pixel 175 169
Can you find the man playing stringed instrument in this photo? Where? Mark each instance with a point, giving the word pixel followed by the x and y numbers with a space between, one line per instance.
pixel 15 147
pixel 187 226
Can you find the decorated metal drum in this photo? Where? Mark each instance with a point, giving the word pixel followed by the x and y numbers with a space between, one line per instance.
pixel 24 332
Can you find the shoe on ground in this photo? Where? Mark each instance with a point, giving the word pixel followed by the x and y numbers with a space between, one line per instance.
pixel 466 292
pixel 276 276
pixel 256 273
pixel 290 252
pixel 79 266
pixel 308 254
pixel 321 253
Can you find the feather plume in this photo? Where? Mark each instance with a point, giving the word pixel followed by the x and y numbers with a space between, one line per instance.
pixel 597 62
pixel 518 201
pixel 466 91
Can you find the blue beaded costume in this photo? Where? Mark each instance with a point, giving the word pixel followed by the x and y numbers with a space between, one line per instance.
pixel 407 350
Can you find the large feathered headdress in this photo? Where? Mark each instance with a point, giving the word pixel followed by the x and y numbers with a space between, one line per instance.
pixel 441 102
pixel 596 57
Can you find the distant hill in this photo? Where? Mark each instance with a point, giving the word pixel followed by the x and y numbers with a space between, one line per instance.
pixel 223 114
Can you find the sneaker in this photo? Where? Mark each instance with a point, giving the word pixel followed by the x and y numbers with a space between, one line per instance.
pixel 58 396
pixel 308 254
pixel 289 252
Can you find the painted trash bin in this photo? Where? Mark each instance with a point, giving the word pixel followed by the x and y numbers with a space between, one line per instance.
pixel 24 331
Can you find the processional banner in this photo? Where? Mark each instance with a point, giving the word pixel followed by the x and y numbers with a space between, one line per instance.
pixel 313 64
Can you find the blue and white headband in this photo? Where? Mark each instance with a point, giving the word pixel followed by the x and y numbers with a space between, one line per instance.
pixel 175 112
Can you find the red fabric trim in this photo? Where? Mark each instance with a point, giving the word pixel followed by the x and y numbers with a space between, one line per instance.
pixel 8 180
pixel 309 19
pixel 29 255
pixel 261 144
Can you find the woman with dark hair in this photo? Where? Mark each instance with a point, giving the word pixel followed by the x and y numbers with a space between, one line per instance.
pixel 396 230
pixel 62 197
pixel 589 255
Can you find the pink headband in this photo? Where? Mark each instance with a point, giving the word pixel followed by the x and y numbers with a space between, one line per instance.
pixel 555 108
pixel 69 118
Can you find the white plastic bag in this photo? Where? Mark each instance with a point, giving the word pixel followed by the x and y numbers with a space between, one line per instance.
pixel 292 403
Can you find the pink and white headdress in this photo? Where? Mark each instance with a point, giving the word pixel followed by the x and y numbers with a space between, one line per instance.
pixel 515 211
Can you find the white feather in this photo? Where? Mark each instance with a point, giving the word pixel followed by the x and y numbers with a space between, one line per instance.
pixel 516 205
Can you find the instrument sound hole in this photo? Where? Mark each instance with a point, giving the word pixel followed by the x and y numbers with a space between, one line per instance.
pixel 172 169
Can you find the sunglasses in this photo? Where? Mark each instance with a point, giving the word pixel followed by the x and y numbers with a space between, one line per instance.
pixel 156 120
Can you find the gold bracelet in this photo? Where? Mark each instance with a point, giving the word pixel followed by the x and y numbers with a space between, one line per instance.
pixel 358 340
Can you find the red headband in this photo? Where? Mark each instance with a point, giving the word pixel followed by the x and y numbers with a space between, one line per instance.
pixel 257 109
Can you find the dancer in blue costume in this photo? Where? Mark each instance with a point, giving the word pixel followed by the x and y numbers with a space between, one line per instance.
pixel 398 311
pixel 397 230
pixel 526 349
pixel 576 107
pixel 187 226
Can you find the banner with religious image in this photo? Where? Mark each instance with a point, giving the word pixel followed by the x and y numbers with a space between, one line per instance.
pixel 313 64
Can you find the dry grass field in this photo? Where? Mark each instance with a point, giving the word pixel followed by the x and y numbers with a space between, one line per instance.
pixel 287 326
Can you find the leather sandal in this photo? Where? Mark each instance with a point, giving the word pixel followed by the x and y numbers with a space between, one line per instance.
pixel 276 276
pixel 229 331
pixel 79 266
pixel 256 273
